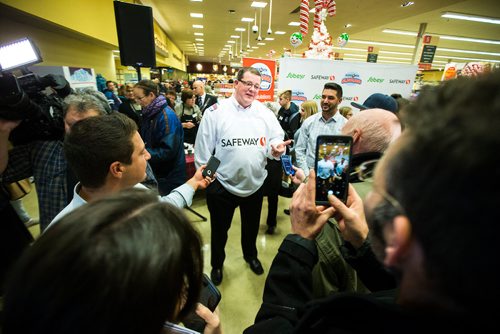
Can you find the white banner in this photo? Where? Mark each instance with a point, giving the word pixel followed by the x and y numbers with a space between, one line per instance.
pixel 306 78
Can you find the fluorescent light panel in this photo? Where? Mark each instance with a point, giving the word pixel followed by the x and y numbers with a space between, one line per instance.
pixel 246 19
pixel 198 34
pixel 294 24
pixel 196 15
pixel 258 4
pixel 280 32
pixel 446 37
pixel 240 29
pixel 197 26
pixel 467 17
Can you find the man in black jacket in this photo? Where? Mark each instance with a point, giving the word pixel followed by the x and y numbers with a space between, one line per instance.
pixel 428 222
pixel 203 100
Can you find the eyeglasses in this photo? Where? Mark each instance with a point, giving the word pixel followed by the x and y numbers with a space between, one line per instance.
pixel 249 84
pixel 140 98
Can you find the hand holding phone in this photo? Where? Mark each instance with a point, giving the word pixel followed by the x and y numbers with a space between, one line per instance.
pixel 212 165
pixel 210 297
pixel 286 162
pixel 332 160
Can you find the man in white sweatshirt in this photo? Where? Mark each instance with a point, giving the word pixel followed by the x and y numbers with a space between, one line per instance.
pixel 242 133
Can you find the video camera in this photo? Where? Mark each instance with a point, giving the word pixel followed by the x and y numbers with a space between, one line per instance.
pixel 37 101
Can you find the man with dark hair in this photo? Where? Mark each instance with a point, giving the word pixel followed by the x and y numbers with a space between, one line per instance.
pixel 328 122
pixel 435 228
pixel 46 162
pixel 242 133
pixel 107 155
pixel 113 100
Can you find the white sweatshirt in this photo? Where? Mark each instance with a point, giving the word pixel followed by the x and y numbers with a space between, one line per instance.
pixel 241 138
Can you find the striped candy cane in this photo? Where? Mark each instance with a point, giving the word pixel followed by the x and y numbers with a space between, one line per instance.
pixel 329 5
pixel 304 17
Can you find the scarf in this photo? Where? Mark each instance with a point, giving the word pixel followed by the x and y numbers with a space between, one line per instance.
pixel 154 107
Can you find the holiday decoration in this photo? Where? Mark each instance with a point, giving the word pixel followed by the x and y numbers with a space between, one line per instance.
pixel 304 17
pixel 296 39
pixel 271 53
pixel 321 46
pixel 343 39
pixel 323 8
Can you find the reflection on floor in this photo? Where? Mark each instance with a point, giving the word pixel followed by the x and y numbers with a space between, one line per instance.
pixel 241 289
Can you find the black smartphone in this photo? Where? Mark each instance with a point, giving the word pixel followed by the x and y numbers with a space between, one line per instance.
pixel 210 297
pixel 212 165
pixel 286 162
pixel 332 160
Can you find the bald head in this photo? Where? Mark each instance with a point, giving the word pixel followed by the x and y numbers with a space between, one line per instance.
pixel 199 88
pixel 372 130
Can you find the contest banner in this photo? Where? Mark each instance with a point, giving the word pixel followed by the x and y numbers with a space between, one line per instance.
pixel 306 78
pixel 267 70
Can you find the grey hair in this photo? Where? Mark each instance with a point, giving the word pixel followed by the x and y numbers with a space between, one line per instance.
pixel 85 100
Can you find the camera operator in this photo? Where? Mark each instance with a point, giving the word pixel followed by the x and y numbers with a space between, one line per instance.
pixel 14 236
pixel 44 159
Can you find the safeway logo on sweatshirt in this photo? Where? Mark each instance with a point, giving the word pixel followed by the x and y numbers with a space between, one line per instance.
pixel 244 142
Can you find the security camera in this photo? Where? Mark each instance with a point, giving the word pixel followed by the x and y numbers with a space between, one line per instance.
pixel 255 29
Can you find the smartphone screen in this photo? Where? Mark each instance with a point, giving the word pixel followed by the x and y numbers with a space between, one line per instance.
pixel 212 165
pixel 210 297
pixel 332 160
pixel 286 162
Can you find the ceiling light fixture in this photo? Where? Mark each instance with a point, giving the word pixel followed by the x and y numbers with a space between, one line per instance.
pixel 446 37
pixel 468 17
pixel 470 51
pixel 269 31
pixel 269 39
pixel 259 38
pixel 407 4
pixel 239 29
pixel 246 19
pixel 196 15
pixel 465 58
pixel 234 36
pixel 197 26
pixel 199 39
pixel 294 24
pixel 198 34
pixel 406 46
pixel 258 4
pixel 279 32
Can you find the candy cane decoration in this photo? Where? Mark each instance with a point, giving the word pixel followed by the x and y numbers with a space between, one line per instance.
pixel 304 17
pixel 329 5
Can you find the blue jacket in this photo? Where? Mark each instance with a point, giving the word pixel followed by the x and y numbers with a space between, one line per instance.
pixel 164 138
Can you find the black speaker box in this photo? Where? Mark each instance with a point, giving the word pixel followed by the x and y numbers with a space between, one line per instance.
pixel 134 25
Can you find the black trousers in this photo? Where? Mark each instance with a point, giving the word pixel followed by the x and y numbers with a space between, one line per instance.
pixel 221 205
pixel 272 187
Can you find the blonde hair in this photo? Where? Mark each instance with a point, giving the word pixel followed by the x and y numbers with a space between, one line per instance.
pixel 345 110
pixel 310 108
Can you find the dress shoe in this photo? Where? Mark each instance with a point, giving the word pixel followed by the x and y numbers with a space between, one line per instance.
pixel 256 266
pixel 271 230
pixel 287 212
pixel 216 276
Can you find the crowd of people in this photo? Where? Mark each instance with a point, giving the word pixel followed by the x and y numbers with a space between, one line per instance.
pixel 410 249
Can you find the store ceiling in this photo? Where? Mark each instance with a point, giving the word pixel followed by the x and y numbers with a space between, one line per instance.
pixel 368 19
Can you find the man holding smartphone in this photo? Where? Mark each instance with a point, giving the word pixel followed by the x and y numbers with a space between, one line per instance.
pixel 242 133
pixel 328 122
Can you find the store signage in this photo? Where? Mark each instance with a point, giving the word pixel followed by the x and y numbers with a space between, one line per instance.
pixel 267 69
pixel 428 51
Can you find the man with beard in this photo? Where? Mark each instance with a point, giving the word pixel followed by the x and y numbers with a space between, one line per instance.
pixel 328 122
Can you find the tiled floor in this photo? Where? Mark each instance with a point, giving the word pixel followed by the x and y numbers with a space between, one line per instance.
pixel 241 289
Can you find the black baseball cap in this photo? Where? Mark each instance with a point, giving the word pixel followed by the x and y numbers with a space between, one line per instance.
pixel 380 101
